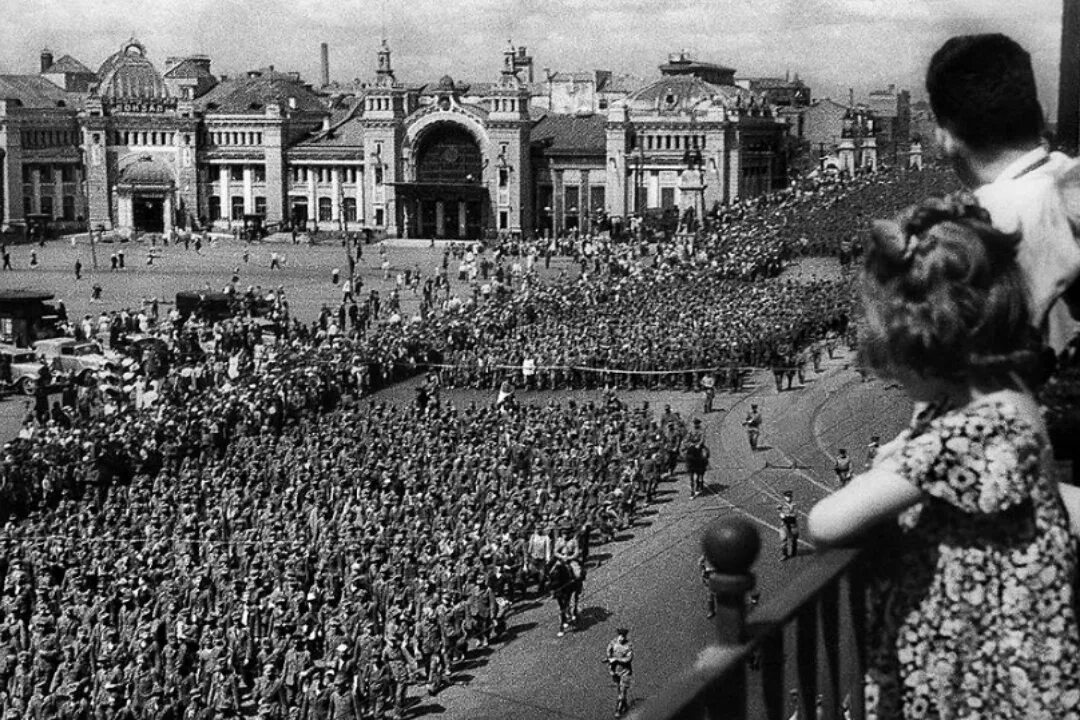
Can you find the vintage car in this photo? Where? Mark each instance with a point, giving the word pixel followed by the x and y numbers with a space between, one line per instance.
pixel 78 359
pixel 24 366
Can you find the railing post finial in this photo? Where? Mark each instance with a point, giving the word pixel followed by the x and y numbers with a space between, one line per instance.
pixel 731 546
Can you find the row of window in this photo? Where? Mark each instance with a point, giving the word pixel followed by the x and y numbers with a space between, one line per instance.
pixel 49 174
pixel 594 197
pixel 651 141
pixel 325 175
pixel 159 138
pixel 49 138
pixel 234 137
pixel 236 172
pixel 46 206
pixel 325 207
pixel 299 175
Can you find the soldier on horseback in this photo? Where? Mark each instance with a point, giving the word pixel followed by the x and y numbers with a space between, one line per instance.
pixel 566 576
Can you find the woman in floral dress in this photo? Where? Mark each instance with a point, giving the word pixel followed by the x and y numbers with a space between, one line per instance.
pixel 972 616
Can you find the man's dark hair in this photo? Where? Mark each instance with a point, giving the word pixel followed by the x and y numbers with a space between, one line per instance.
pixel 982 89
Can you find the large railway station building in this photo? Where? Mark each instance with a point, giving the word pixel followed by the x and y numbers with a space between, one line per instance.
pixel 135 146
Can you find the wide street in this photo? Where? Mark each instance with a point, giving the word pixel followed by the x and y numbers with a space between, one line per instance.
pixel 648 579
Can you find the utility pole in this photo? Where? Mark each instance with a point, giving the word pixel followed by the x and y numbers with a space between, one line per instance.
pixel 1068 120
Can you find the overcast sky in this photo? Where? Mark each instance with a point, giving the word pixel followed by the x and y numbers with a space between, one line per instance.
pixel 832 44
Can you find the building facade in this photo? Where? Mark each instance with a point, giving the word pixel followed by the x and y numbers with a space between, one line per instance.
pixel 130 147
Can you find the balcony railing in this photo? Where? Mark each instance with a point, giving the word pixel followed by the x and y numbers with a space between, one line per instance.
pixel 798 654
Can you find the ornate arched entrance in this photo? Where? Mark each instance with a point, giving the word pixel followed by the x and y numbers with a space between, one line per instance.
pixel 447 198
pixel 145 190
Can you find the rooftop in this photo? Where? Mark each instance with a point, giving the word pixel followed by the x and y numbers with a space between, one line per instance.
pixel 571 134
pixel 251 95
pixel 70 66
pixel 33 91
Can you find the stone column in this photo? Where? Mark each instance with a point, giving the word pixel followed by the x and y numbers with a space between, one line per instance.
pixel 312 200
pixel 558 206
pixel 170 213
pixel 249 193
pixel 123 211
pixel 361 215
pixel 335 199
pixel 226 195
pixel 440 218
pixel 463 218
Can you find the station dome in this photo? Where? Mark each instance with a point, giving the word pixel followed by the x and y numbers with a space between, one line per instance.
pixel 685 92
pixel 130 74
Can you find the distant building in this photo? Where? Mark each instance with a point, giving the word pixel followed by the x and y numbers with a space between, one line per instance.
pixel 891 110
pixel 855 135
pixel 583 92
pixel 785 92
pixel 132 147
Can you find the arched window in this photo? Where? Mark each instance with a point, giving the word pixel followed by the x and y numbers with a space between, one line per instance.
pixel 449 154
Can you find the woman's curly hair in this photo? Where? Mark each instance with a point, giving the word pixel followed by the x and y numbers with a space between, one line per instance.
pixel 944 297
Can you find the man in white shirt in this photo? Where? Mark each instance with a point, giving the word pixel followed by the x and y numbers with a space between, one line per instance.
pixel 983 94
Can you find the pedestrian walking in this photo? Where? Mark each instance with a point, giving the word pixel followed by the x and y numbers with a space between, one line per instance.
pixel 620 660
pixel 33 259
pixel 842 467
pixel 78 269
pixel 789 531
pixel 752 423
pixel 120 257
pixel 6 256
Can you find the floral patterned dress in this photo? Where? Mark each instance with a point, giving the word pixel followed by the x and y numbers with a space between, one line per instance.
pixel 975 616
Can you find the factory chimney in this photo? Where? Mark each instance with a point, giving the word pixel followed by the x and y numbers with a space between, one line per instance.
pixel 324 76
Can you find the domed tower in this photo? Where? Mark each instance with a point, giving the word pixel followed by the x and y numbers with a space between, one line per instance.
pixel 141 169
pixel 129 75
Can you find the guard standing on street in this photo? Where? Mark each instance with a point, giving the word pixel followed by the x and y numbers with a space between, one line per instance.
pixel 789 520
pixel 706 573
pixel 753 426
pixel 708 384
pixel 843 467
pixel 620 660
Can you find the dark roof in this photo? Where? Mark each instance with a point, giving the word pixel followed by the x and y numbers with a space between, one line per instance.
pixel 571 134
pixel 681 66
pixel 189 68
pixel 70 66
pixel 763 83
pixel 33 91
pixel 623 82
pixel 346 129
pixel 253 94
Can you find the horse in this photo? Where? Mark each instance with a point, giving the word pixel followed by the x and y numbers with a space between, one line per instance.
pixel 697 462
pixel 566 589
